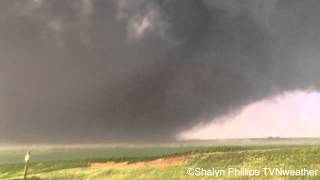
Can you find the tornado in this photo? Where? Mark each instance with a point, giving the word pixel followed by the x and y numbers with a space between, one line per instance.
pixel 145 70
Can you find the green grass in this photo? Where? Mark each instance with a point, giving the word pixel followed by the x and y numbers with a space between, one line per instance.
pixel 73 162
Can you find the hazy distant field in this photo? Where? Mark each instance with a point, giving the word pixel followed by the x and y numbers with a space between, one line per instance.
pixel 159 161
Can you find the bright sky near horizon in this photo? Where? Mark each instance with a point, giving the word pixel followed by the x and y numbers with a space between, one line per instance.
pixel 294 114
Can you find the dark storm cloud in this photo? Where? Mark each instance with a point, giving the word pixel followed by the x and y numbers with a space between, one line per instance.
pixel 94 70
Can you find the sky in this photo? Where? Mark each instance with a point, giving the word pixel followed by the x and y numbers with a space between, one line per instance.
pixel 294 114
pixel 87 71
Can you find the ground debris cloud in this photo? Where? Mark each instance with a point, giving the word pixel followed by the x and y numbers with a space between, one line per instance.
pixel 96 70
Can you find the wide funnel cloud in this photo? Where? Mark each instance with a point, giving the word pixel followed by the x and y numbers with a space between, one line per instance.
pixel 96 70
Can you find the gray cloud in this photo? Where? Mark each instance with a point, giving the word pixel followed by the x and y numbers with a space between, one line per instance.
pixel 78 71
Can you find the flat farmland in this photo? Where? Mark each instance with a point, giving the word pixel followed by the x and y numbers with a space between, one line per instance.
pixel 163 161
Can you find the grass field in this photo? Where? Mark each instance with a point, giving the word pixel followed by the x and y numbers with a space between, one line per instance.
pixel 161 161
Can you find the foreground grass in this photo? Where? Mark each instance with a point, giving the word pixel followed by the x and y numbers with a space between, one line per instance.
pixel 254 157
